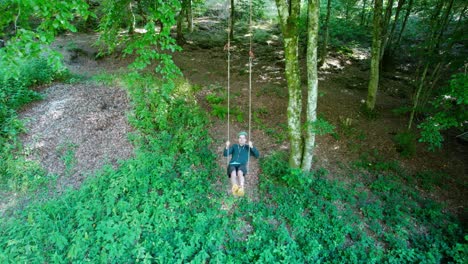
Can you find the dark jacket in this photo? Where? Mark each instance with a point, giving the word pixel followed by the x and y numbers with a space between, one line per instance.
pixel 239 153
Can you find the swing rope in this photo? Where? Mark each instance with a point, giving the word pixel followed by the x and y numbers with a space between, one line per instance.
pixel 250 82
pixel 228 74
pixel 251 57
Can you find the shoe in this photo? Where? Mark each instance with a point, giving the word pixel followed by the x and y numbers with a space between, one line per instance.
pixel 240 191
pixel 235 188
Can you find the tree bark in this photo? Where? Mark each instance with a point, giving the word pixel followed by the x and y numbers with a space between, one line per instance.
pixel 444 23
pixel 180 19
pixel 363 12
pixel 312 82
pixel 416 98
pixel 369 13
pixel 323 54
pixel 434 42
pixel 189 16
pixel 385 25
pixel 131 28
pixel 231 30
pixel 288 15
pixel 392 31
pixel 403 26
pixel 375 53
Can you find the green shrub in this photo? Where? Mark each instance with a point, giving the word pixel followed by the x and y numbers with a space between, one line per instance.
pixel 431 179
pixel 405 143
pixel 448 111
pixel 214 99
pixel 16 173
pixel 275 165
pixel 161 206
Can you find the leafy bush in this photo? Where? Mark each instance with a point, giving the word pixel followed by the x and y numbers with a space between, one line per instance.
pixel 406 143
pixel 344 32
pixel 448 111
pixel 275 165
pixel 431 179
pixel 16 173
pixel 161 207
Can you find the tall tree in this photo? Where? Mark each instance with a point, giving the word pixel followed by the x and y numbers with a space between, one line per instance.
pixel 403 26
pixel 439 21
pixel 312 82
pixel 385 25
pixel 388 38
pixel 301 144
pixel 288 12
pixel 363 12
pixel 180 19
pixel 324 48
pixel 189 16
pixel 375 53
pixel 231 29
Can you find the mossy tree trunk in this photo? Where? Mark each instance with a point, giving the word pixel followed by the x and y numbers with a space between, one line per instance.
pixel 312 82
pixel 231 29
pixel 388 39
pixel 189 13
pixel 403 26
pixel 180 19
pixel 384 26
pixel 363 12
pixel 439 23
pixel 324 49
pixel 183 14
pixel 132 25
pixel 288 13
pixel 375 53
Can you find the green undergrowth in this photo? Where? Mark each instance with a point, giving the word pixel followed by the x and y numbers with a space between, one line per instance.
pixel 162 206
pixel 377 217
pixel 16 172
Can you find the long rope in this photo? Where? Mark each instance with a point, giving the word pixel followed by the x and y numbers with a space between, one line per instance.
pixel 228 74
pixel 250 81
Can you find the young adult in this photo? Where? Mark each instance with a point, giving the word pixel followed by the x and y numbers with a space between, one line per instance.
pixel 237 168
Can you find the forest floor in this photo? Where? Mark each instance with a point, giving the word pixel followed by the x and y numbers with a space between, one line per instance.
pixel 90 119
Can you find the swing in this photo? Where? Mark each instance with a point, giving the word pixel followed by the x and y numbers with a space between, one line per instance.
pixel 236 190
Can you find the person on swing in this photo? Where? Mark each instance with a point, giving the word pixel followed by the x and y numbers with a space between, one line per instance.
pixel 237 167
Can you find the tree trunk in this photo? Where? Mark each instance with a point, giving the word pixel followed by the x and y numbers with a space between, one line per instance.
pixel 131 28
pixel 295 98
pixel 231 30
pixel 347 11
pixel 363 12
pixel 289 15
pixel 444 23
pixel 375 53
pixel 312 82
pixel 416 98
pixel 439 25
pixel 189 16
pixel 392 31
pixel 385 25
pixel 180 18
pixel 324 49
pixel 408 12
pixel 369 13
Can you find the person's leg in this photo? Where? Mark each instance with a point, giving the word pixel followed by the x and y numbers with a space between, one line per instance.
pixel 233 177
pixel 240 174
pixel 232 172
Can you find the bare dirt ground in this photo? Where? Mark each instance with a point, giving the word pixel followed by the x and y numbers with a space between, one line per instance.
pixel 78 127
